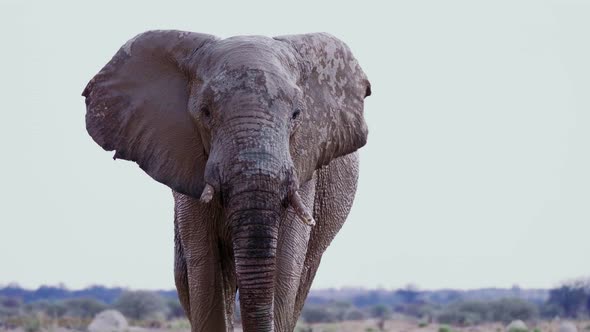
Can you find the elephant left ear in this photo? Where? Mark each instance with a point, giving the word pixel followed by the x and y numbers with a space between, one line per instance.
pixel 334 88
pixel 137 105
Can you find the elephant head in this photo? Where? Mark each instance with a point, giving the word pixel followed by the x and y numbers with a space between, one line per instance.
pixel 241 121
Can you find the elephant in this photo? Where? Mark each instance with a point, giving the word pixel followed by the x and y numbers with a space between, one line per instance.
pixel 257 137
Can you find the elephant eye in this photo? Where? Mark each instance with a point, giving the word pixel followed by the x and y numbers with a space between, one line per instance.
pixel 205 110
pixel 296 114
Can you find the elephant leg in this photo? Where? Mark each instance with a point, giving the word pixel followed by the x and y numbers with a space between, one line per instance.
pixel 291 249
pixel 334 195
pixel 180 272
pixel 200 242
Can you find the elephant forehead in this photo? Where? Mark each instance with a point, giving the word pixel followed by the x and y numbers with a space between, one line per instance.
pixel 254 81
pixel 252 52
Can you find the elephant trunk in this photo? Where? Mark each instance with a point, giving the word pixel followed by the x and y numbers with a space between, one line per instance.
pixel 254 213
pixel 254 179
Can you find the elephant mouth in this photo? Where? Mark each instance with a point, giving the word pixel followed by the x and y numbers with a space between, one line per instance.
pixel 293 198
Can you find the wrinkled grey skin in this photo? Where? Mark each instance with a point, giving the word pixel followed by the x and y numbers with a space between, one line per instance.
pixel 265 131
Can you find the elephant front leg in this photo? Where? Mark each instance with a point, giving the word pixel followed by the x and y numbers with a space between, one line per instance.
pixel 292 247
pixel 180 271
pixel 208 291
pixel 336 186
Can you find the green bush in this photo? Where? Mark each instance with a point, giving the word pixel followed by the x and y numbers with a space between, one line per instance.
pixel 339 309
pixel 507 310
pixel 49 308
pixel 10 306
pixel 334 311
pixel 355 314
pixel 317 314
pixel 444 329
pixel 573 299
pixel 460 315
pixel 141 305
pixel 31 323
pixel 175 309
pixel 476 312
pixel 381 311
pixel 83 307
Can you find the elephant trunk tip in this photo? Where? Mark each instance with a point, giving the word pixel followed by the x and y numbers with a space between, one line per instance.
pixel 207 194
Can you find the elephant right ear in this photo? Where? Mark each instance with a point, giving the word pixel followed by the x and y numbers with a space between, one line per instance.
pixel 137 105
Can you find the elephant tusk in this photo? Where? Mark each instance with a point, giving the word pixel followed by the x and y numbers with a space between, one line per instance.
pixel 207 194
pixel 301 210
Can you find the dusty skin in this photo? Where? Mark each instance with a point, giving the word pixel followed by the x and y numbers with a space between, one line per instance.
pixel 257 138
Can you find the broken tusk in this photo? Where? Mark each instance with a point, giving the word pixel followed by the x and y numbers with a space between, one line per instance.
pixel 207 194
pixel 301 210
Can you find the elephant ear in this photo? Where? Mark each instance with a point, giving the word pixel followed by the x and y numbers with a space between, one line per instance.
pixel 334 88
pixel 137 106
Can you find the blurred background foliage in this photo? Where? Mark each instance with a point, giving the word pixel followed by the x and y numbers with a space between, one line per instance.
pixel 32 309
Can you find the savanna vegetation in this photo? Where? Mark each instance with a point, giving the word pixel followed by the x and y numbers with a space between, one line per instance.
pixel 36 310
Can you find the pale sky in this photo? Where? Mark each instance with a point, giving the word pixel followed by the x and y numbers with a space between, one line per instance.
pixel 476 173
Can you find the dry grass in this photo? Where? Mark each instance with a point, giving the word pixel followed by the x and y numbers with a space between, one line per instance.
pixel 397 325
pixel 412 326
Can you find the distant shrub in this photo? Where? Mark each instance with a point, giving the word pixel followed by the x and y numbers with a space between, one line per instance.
pixel 381 311
pixel 506 310
pixel 31 323
pixel 464 313
pixel 476 312
pixel 444 329
pixel 141 305
pixel 517 326
pixel 10 306
pixel 179 324
pixel 175 309
pixel 83 307
pixel 317 314
pixel 573 300
pixel 74 323
pixel 455 316
pixel 355 314
pixel 333 311
pixel 518 330
pixel 339 309
pixel 550 310
pixel 417 309
pixel 51 309
pixel 423 324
